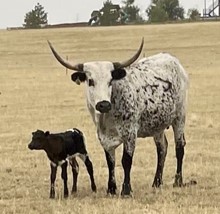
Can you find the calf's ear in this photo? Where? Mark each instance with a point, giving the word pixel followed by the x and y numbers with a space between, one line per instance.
pixel 78 77
pixel 47 133
pixel 118 74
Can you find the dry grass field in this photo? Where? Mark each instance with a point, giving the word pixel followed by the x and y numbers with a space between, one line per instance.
pixel 36 93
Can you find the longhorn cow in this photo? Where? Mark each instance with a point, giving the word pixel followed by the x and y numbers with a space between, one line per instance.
pixel 130 100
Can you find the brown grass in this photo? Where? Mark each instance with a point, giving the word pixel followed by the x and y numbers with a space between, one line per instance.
pixel 36 93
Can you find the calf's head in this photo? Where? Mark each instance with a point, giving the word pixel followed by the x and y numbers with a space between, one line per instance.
pixel 39 139
pixel 98 77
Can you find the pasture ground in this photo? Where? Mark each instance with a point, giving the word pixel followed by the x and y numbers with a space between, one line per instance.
pixel 36 93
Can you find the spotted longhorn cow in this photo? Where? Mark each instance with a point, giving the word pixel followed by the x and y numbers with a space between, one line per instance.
pixel 130 100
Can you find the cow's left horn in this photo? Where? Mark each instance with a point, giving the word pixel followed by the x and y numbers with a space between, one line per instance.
pixel 77 67
pixel 118 65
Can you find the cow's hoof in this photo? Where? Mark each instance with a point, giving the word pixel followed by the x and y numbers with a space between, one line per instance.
pixel 112 188
pixel 126 190
pixel 157 182
pixel 111 191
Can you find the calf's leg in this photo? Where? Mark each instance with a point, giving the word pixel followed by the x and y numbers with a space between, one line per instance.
pixel 75 171
pixel 161 144
pixel 89 168
pixel 64 177
pixel 52 180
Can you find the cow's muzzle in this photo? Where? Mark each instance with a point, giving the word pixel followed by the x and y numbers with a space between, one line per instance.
pixel 103 106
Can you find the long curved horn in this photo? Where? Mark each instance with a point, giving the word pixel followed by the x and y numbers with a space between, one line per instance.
pixel 77 67
pixel 126 63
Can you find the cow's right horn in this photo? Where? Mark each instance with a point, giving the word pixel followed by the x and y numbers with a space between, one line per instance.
pixel 128 62
pixel 77 67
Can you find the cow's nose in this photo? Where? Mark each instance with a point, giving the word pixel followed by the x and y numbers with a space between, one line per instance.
pixel 103 106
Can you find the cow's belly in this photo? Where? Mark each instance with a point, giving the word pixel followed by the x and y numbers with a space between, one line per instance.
pixel 153 123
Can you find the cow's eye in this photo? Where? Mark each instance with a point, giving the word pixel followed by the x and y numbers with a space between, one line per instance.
pixel 91 82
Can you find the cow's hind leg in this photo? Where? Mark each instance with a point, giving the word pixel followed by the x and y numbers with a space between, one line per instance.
pixel 161 144
pixel 75 171
pixel 110 158
pixel 178 128
pixel 64 177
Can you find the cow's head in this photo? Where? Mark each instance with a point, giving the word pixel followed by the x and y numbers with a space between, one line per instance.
pixel 98 76
pixel 39 140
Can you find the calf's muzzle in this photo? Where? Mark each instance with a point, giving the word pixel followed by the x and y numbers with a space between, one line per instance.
pixel 30 146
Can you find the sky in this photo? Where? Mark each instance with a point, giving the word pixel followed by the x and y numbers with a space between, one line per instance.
pixel 12 12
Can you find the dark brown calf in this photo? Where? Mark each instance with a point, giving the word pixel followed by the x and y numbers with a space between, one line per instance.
pixel 60 147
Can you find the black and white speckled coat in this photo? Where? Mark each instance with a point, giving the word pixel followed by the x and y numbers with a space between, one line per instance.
pixel 127 101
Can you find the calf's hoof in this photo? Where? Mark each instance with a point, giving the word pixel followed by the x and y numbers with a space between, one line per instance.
pixel 74 190
pixel 94 189
pixel 126 190
pixel 66 194
pixel 178 182
pixel 52 194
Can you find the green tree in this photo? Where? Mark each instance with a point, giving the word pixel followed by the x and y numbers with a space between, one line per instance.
pixel 36 18
pixel 156 13
pixel 108 14
pixel 193 14
pixel 163 10
pixel 131 11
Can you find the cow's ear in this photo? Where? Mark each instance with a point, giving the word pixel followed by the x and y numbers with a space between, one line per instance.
pixel 118 74
pixel 47 133
pixel 78 77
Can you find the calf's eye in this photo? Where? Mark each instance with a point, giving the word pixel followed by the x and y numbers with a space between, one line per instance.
pixel 91 82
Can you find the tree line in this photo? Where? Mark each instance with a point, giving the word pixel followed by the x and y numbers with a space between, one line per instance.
pixel 158 11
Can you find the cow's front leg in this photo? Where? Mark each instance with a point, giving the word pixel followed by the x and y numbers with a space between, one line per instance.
pixel 110 158
pixel 126 163
pixel 129 147
pixel 52 179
